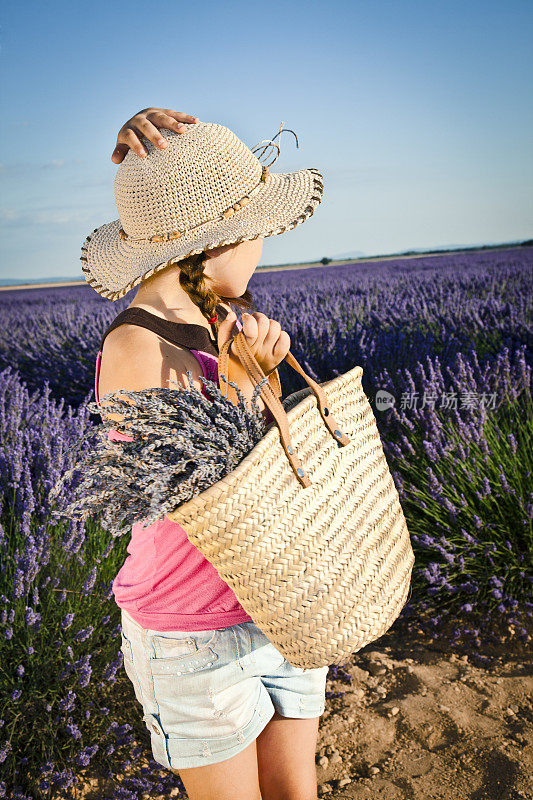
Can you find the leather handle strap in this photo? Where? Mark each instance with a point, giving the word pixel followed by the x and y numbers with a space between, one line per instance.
pixel 275 382
pixel 229 391
pixel 271 399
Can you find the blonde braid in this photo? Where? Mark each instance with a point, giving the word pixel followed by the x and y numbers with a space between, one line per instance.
pixel 194 281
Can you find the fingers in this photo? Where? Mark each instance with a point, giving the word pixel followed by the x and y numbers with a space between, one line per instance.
pixel 152 133
pixel 225 328
pixel 263 336
pixel 147 123
pixel 128 137
pixel 268 342
pixel 282 346
pixel 264 330
pixel 179 115
pixel 250 326
pixel 162 119
pixel 119 152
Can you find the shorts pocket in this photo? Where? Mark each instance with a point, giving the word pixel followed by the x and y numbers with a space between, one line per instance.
pixel 177 643
pixel 183 654
pixel 129 666
pixel 184 664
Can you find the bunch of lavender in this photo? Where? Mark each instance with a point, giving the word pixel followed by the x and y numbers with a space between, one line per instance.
pixel 182 443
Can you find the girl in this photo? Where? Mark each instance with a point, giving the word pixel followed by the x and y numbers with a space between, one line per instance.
pixel 224 709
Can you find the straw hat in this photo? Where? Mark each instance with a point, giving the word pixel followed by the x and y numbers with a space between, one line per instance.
pixel 204 190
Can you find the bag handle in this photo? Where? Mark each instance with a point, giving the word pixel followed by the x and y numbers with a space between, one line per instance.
pixel 246 358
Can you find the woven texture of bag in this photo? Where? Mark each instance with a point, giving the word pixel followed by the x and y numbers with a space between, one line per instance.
pixel 322 569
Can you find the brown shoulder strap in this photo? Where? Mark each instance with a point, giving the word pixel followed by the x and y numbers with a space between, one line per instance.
pixel 184 334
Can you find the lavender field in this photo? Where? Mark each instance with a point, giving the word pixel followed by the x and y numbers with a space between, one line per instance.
pixel 446 340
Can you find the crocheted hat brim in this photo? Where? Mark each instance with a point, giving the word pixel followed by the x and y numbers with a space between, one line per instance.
pixel 113 266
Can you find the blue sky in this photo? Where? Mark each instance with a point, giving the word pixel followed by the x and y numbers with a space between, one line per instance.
pixel 419 115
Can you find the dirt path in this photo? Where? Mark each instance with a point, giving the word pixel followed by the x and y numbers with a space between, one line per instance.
pixel 426 726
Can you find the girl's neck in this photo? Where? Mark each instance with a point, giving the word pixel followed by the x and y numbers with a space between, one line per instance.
pixel 163 296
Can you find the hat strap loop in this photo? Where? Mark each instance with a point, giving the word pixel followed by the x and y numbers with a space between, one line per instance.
pixel 229 212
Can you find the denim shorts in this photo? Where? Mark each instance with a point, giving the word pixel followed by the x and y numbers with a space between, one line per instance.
pixel 206 695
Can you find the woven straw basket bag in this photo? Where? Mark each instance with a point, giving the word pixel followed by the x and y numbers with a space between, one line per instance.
pixel 308 530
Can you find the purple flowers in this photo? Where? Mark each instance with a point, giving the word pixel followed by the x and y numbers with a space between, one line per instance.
pixel 448 337
pixel 85 755
pixel 67 622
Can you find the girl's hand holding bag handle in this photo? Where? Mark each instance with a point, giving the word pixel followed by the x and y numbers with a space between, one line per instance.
pixel 308 530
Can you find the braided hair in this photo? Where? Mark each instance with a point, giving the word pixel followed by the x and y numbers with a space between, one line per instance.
pixel 197 285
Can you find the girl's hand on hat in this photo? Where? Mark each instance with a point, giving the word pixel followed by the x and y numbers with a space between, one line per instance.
pixel 147 123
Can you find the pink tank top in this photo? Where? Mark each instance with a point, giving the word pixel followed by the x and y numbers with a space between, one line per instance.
pixel 166 583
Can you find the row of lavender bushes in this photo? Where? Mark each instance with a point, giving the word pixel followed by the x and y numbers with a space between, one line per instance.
pixel 462 468
pixel 385 315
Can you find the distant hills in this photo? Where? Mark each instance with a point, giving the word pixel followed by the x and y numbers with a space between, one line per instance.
pixel 350 254
pixel 29 281
pixel 419 250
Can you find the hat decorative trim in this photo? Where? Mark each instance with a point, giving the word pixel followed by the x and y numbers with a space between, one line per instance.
pixel 167 237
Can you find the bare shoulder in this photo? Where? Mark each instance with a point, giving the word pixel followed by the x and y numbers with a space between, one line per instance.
pixel 135 358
